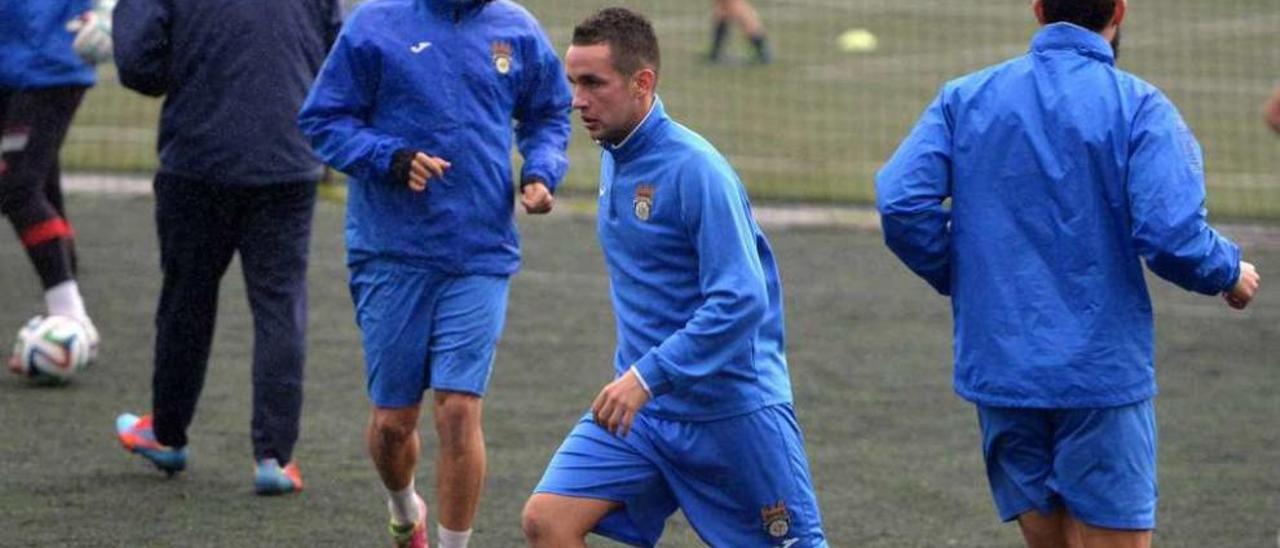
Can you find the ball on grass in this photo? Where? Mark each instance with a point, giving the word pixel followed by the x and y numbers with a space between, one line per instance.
pixel 857 41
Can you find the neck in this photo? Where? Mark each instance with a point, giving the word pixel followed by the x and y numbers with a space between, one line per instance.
pixel 1109 33
pixel 642 113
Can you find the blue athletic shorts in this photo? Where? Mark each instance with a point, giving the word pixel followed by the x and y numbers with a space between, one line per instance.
pixel 741 481
pixel 426 330
pixel 1100 464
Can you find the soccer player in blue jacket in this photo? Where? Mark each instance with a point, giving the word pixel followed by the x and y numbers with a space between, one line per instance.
pixel 416 103
pixel 1064 173
pixel 700 415
pixel 42 81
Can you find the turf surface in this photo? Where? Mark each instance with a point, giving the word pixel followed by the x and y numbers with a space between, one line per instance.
pixel 895 455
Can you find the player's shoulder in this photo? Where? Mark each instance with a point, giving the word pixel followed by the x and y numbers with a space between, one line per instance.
pixel 1142 91
pixel 970 83
pixel 695 156
pixel 685 143
pixel 373 12
pixel 512 14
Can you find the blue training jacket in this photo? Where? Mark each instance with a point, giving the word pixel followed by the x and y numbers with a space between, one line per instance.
pixel 233 74
pixel 1062 172
pixel 446 78
pixel 694 284
pixel 35 45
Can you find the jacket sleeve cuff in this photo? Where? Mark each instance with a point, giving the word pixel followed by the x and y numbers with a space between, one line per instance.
pixel 1233 275
pixel 640 378
pixel 649 368
pixel 531 174
pixel 529 179
pixel 401 161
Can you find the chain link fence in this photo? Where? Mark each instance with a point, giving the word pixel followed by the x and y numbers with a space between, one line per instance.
pixel 850 77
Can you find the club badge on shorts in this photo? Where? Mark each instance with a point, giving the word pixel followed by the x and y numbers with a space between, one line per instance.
pixel 643 202
pixel 501 52
pixel 776 520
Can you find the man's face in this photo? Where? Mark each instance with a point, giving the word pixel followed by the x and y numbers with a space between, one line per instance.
pixel 604 98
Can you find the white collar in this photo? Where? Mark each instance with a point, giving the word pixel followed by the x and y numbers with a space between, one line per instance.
pixel 623 142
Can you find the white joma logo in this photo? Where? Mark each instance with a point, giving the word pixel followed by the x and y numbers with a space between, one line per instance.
pixel 417 48
pixel 787 543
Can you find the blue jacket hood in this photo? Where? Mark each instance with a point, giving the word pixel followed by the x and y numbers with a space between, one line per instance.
pixel 1067 36
pixel 455 8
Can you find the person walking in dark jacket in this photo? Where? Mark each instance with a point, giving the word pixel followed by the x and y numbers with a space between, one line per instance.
pixel 235 175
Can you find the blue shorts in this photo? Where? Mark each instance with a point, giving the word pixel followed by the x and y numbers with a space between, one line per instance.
pixel 426 330
pixel 741 481
pixel 1100 464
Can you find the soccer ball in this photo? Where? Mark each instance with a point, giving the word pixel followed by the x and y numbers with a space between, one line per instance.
pixel 92 29
pixel 52 349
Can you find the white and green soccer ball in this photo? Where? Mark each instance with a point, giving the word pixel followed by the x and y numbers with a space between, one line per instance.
pixel 93 33
pixel 52 349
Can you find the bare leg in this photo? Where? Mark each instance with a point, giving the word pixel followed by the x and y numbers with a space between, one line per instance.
pixel 719 30
pixel 557 521
pixel 742 13
pixel 1044 531
pixel 460 462
pixel 393 444
pixel 1083 535
pixel 1062 530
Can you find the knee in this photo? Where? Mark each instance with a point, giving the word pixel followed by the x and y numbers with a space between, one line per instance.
pixel 537 523
pixel 21 202
pixel 457 417
pixel 393 428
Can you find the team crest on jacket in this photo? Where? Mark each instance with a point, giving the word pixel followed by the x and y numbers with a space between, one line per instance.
pixel 644 202
pixel 501 52
pixel 776 520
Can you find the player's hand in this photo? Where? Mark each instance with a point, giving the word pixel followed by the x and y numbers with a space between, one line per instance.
pixel 616 406
pixel 1271 110
pixel 424 168
pixel 536 198
pixel 92 41
pixel 1246 287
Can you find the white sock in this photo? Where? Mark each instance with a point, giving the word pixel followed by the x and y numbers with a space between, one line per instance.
pixel 403 505
pixel 64 300
pixel 452 539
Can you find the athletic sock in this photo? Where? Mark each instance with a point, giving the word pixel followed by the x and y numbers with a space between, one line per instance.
pixel 452 539
pixel 64 300
pixel 48 242
pixel 403 505
pixel 761 44
pixel 718 36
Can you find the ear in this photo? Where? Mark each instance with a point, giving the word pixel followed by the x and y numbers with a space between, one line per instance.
pixel 1037 6
pixel 1122 8
pixel 644 81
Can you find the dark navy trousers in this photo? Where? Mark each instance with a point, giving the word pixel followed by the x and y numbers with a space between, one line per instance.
pixel 201 225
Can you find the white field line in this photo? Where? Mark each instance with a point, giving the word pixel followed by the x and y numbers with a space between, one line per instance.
pixel 113 134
